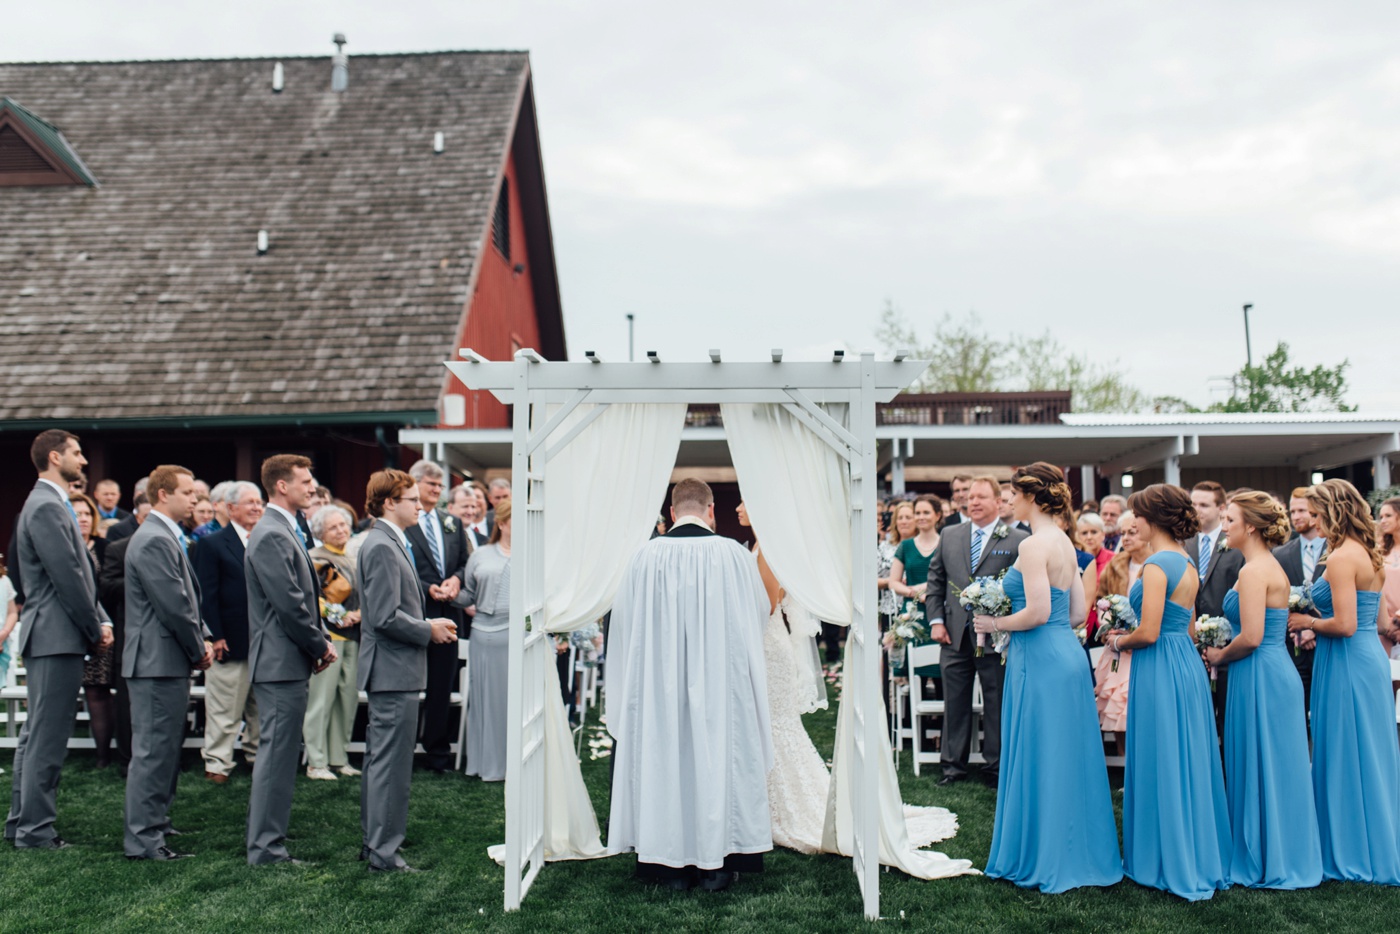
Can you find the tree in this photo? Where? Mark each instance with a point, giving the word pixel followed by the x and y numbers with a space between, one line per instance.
pixel 964 357
pixel 1278 386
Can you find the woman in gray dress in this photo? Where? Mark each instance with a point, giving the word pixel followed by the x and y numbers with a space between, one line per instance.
pixel 487 586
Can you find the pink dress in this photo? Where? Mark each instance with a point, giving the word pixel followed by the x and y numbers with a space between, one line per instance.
pixel 1390 593
pixel 1111 687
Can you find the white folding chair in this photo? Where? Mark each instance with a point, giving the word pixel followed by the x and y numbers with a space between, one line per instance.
pixel 1095 654
pixel 1394 677
pixel 463 680
pixel 898 732
pixel 979 707
pixel 916 657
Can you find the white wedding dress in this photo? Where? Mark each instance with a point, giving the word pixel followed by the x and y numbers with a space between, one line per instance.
pixel 799 779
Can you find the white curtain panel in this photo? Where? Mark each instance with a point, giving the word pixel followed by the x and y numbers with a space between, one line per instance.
pixel 797 491
pixel 601 496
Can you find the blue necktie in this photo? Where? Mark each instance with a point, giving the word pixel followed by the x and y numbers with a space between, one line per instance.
pixel 74 513
pixel 976 549
pixel 301 535
pixel 1204 554
pixel 408 546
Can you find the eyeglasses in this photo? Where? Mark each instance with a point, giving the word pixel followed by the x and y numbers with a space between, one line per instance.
pixel 410 499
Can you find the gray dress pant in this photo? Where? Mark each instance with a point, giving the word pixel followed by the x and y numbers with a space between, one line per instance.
pixel 389 742
pixel 281 711
pixel 54 681
pixel 959 665
pixel 158 708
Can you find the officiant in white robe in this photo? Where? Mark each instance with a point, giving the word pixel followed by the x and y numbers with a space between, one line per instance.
pixel 687 704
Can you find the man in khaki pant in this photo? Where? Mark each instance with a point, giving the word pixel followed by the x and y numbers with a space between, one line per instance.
pixel 218 563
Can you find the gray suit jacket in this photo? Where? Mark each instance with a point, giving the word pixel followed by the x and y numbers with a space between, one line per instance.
pixel 394 636
pixel 164 635
pixel 61 615
pixel 951 565
pixel 285 636
pixel 1221 574
pixel 1290 555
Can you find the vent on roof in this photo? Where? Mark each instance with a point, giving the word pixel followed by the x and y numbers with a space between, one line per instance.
pixel 340 64
pixel 500 221
pixel 34 152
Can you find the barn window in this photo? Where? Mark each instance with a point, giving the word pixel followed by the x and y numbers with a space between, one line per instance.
pixel 500 222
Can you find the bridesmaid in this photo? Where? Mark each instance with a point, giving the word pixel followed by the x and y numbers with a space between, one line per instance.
pixel 1176 827
pixel 1054 826
pixel 1356 760
pixel 1272 816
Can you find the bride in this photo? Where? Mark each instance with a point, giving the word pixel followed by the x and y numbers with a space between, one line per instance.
pixel 798 782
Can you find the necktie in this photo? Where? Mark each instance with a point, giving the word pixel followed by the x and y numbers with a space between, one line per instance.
pixel 1204 554
pixel 73 512
pixel 408 546
pixel 976 549
pixel 427 523
pixel 1309 560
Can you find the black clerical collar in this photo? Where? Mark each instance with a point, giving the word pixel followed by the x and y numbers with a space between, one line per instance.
pixel 689 530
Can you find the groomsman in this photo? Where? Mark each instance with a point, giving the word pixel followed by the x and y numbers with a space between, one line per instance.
pixel 1218 567
pixel 440 553
pixel 394 644
pixel 228 698
pixel 164 640
pixel 60 622
pixel 1302 562
pixel 286 645
pixel 983 546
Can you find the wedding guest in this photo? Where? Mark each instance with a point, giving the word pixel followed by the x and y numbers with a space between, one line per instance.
pixel 902 528
pixel 202 517
pixel 1054 828
pixel 909 568
pixel 1218 569
pixel 480 529
pixel 982 546
pixel 1301 559
pixel 334 699
pixel 218 497
pixel 229 705
pixel 1110 510
pixel 496 493
pixel 98 671
pixel 1176 825
pixel 1273 819
pixel 487 587
pixel 962 485
pixel 61 621
pixel 1356 761
pixel 1389 528
pixel 1092 505
pixel 1091 537
pixel 462 504
pixel 9 619
pixel 1111 687
pixel 126 527
pixel 108 495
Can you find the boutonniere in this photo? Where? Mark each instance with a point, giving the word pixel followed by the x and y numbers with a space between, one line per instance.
pixel 1000 532
pixel 1220 546
pixel 449 523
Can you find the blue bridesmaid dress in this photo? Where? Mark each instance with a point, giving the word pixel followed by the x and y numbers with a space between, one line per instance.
pixel 1176 825
pixel 1356 758
pixel 1054 826
pixel 1272 816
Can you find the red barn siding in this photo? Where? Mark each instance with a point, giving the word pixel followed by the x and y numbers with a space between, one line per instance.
pixel 502 317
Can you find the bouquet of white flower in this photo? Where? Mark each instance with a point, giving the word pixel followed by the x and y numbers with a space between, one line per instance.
pixel 1115 612
pixel 985 596
pixel 1082 634
pixel 905 628
pixel 333 613
pixel 1299 601
pixel 1213 632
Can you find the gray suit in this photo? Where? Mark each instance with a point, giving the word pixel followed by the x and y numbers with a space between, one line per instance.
pixel 951 566
pixel 1290 556
pixel 60 620
pixel 164 640
pixel 393 669
pixel 285 639
pixel 1221 574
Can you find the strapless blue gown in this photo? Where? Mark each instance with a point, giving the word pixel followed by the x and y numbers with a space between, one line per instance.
pixel 1054 826
pixel 1356 758
pixel 1176 824
pixel 1272 816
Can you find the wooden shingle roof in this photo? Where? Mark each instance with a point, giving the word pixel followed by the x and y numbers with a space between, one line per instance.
pixel 146 297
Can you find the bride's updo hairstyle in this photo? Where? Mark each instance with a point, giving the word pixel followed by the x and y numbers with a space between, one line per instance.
pixel 1045 484
pixel 1168 508
pixel 1344 514
pixel 1263 512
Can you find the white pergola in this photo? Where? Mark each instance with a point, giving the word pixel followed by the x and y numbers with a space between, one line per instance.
pixel 543 395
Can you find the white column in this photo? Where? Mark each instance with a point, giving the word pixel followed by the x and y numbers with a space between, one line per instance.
pixel 1088 483
pixel 1171 468
pixel 1380 469
pixel 897 471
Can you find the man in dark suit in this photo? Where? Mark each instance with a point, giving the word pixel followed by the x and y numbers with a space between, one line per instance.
pixel 128 524
pixel 164 641
pixel 440 553
pixel 962 483
pixel 394 644
pixel 1219 569
pixel 228 697
pixel 286 645
pixel 984 546
pixel 61 621
pixel 108 495
pixel 1301 560
pixel 111 590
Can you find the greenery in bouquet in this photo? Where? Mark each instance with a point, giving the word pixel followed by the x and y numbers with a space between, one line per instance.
pixel 986 596
pixel 907 627
pixel 1115 612
pixel 333 613
pixel 1213 632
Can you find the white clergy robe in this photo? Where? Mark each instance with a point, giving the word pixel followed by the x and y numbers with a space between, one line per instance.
pixel 687 702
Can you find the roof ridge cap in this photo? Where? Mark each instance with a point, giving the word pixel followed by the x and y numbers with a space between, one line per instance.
pixel 264 58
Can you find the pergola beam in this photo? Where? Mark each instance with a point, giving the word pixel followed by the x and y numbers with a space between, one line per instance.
pixel 1151 455
pixel 1342 454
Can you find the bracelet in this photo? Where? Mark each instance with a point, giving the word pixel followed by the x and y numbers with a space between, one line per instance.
pixel 1116 640
pixel 995 627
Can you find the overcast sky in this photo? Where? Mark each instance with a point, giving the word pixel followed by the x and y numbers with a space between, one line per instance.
pixel 754 174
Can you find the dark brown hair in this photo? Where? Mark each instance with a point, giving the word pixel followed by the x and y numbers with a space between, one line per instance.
pixel 1210 486
pixel 54 439
pixel 1167 507
pixel 1263 512
pixel 384 485
pixel 281 467
pixel 1045 484
pixel 1388 540
pixel 92 511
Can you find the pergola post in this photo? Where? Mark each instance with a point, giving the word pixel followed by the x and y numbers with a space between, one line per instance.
pixel 1380 470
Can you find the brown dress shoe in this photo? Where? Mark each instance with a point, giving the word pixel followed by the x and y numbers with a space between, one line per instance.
pixel 216 778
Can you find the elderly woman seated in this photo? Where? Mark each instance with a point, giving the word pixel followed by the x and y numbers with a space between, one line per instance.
pixel 334 698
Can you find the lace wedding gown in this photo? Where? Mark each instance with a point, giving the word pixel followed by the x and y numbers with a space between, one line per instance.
pixel 798 782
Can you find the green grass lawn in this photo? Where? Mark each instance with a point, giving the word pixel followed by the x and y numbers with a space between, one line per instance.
pixel 453 819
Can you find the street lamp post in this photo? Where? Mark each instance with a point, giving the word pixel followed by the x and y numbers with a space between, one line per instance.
pixel 631 355
pixel 1248 353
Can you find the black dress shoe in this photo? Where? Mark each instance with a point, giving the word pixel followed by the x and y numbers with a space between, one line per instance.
pixel 364 854
pixel 404 868
pixel 55 843
pixel 175 832
pixel 717 880
pixel 947 780
pixel 989 779
pixel 163 854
